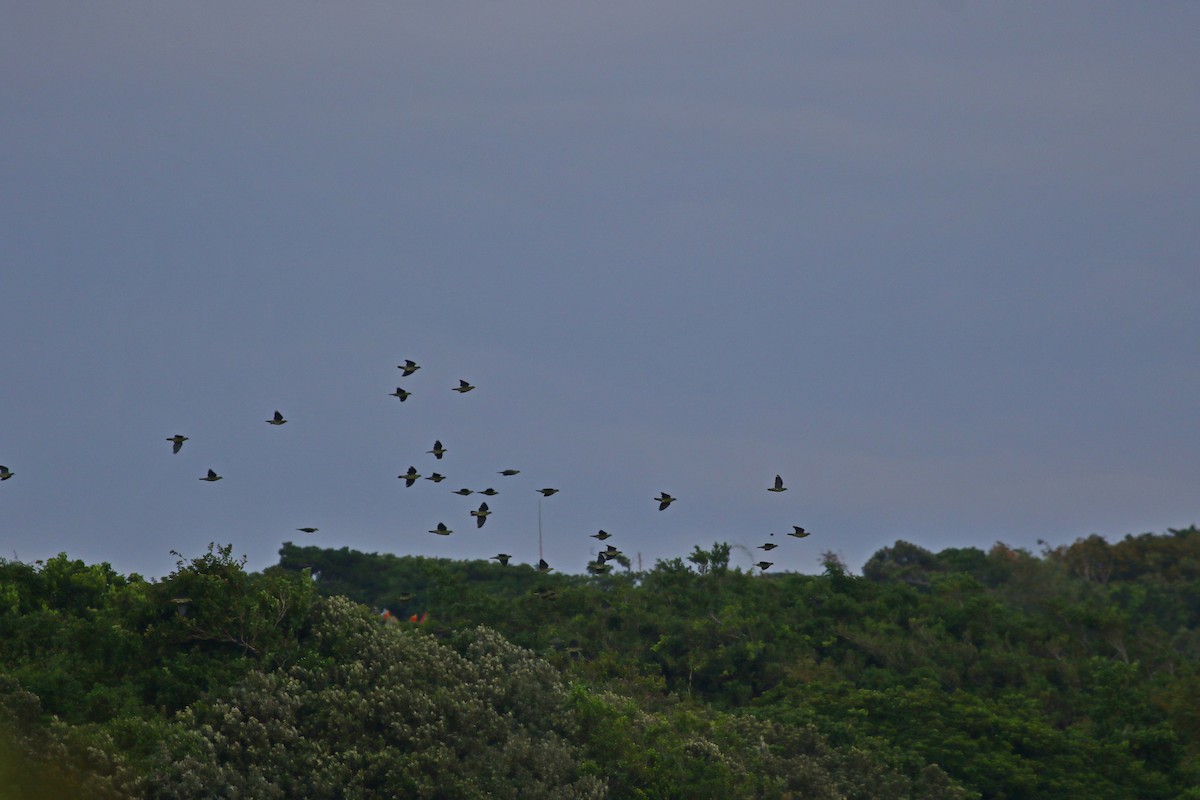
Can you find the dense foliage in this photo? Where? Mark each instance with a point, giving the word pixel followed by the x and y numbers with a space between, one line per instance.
pixel 958 674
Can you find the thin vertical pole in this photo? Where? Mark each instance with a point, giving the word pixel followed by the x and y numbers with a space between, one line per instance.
pixel 540 555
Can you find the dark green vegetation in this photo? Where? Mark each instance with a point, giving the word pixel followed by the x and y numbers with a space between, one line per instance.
pixel 957 674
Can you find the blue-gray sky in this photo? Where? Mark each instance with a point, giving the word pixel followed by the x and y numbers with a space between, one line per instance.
pixel 934 263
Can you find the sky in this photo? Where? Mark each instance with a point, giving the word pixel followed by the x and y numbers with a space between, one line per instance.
pixel 934 263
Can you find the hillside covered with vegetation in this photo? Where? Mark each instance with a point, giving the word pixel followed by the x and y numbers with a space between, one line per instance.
pixel 959 674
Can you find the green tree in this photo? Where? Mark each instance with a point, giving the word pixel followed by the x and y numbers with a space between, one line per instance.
pixel 380 711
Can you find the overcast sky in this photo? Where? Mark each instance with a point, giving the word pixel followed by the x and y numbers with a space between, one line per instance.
pixel 934 263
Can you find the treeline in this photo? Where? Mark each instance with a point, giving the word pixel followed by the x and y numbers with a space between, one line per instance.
pixel 958 674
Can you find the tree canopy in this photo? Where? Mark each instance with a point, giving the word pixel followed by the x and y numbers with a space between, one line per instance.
pixel 1074 672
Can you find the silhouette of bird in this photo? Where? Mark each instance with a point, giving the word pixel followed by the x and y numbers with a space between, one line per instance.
pixel 404 597
pixel 598 567
pixel 547 492
pixel 177 440
pixel 481 515
pixel 508 472
pixel 409 366
pixel 438 451
pixel 442 530
pixel 544 593
pixel 768 546
pixel 502 558
pixel 308 530
pixel 490 492
pixel 410 477
pixel 778 487
pixel 763 565
pixel 602 535
pixel 211 476
pixel 463 387
pixel 403 395
pixel 277 419
pixel 464 492
pixel 543 566
pixel 610 552
pixel 664 500
pixel 6 473
pixel 799 532
pixel 436 477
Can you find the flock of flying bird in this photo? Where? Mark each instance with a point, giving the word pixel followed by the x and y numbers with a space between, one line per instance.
pixel 481 514
pixel 610 553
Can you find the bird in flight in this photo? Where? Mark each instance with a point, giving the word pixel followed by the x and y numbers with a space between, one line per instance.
pixel 436 477
pixel 602 535
pixel 211 476
pixel 464 492
pixel 610 552
pixel 438 451
pixel 508 472
pixel 664 500
pixel 763 565
pixel 769 546
pixel 799 532
pixel 543 566
pixel 502 558
pixel 277 419
pixel 410 477
pixel 308 530
pixel 463 387
pixel 177 442
pixel 547 492
pixel 598 567
pixel 442 530
pixel 409 367
pixel 778 487
pixel 490 492
pixel 481 515
pixel 403 395
pixel 6 473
